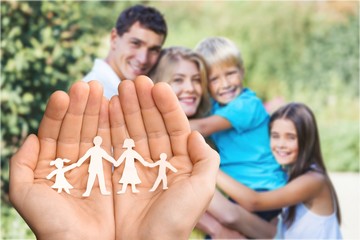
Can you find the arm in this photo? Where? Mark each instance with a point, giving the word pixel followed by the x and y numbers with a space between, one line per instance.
pixel 299 190
pixel 142 160
pixel 82 159
pixel 171 167
pixel 154 164
pixel 215 229
pixel 72 166
pixel 234 216
pixel 120 160
pixel 209 125
pixel 51 174
pixel 109 158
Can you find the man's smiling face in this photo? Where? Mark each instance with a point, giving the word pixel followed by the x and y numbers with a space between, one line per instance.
pixel 135 52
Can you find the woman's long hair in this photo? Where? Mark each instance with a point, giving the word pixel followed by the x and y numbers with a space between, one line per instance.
pixel 167 64
pixel 309 148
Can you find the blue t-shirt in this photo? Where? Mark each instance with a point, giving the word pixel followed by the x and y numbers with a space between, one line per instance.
pixel 245 148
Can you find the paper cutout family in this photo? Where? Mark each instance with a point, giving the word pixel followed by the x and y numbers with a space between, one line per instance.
pixel 96 154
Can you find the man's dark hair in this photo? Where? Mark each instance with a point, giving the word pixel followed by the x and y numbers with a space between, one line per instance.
pixel 148 17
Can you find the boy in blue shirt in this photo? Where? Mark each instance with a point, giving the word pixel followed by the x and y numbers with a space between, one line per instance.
pixel 238 126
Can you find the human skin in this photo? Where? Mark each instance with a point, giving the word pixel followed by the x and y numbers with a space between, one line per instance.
pixel 135 52
pixel 186 83
pixel 70 123
pixel 225 83
pixel 312 188
pixel 284 141
pixel 186 151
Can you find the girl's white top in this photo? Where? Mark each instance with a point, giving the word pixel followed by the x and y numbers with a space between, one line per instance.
pixel 309 225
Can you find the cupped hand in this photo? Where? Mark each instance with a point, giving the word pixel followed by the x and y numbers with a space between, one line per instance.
pixel 153 118
pixel 70 123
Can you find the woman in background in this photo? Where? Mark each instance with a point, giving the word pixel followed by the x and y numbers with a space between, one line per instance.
pixel 185 71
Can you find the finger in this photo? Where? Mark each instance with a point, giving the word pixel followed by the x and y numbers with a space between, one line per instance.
pixel 104 125
pixel 118 135
pixel 159 141
pixel 132 115
pixel 118 127
pixel 176 122
pixel 206 163
pixel 91 116
pixel 49 130
pixel 104 133
pixel 22 166
pixel 50 125
pixel 69 138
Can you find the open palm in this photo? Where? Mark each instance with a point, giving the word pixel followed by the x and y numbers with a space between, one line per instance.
pixel 66 131
pixel 153 118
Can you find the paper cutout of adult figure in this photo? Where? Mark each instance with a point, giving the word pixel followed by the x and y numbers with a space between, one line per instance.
pixel 96 154
pixel 163 165
pixel 130 175
pixel 60 180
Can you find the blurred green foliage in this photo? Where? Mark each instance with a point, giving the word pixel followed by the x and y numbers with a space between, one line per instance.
pixel 42 50
pixel 301 51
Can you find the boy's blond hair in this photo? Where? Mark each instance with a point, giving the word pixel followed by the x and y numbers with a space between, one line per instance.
pixel 220 51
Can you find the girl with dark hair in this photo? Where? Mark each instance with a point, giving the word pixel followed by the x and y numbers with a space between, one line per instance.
pixel 311 208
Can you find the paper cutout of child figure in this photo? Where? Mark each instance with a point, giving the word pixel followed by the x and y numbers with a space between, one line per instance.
pixel 96 154
pixel 163 165
pixel 130 175
pixel 60 180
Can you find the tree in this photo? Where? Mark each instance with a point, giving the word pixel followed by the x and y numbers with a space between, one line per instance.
pixel 43 49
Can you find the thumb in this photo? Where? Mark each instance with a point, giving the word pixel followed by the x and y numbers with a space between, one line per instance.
pixel 22 165
pixel 205 161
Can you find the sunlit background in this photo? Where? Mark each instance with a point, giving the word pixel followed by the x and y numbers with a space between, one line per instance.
pixel 305 51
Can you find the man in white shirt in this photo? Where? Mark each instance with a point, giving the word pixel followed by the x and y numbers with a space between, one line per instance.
pixel 135 44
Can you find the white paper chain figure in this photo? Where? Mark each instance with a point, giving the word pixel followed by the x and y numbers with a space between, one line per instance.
pixel 96 154
pixel 60 180
pixel 163 165
pixel 130 175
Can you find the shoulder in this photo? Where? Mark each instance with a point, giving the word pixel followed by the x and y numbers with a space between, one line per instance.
pixel 315 176
pixel 248 93
pixel 92 74
pixel 316 173
pixel 312 181
pixel 248 98
pixel 251 105
pixel 304 188
pixel 312 175
pixel 321 202
pixel 96 70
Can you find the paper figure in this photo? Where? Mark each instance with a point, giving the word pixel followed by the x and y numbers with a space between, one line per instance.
pixel 130 175
pixel 163 165
pixel 96 154
pixel 60 180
